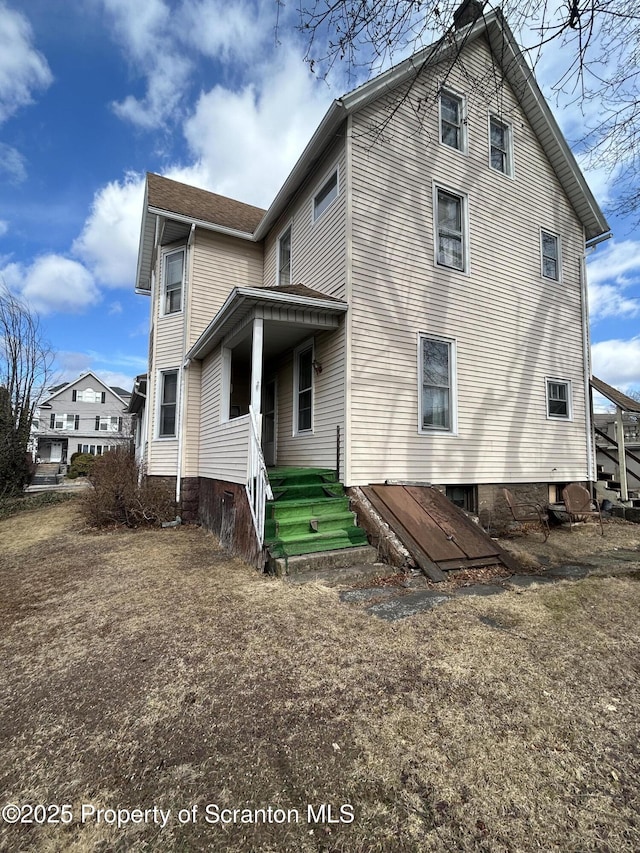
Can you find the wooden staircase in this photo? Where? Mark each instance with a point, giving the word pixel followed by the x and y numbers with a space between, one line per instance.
pixel 310 515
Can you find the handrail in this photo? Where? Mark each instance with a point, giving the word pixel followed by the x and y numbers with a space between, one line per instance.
pixel 615 459
pixel 258 486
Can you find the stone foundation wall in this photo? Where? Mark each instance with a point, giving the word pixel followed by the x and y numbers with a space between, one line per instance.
pixel 224 509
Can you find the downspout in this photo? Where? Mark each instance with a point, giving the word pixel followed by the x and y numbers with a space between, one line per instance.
pixel 185 365
pixel 586 347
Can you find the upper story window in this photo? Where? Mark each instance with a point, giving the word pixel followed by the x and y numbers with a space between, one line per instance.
pixel 284 258
pixel 327 194
pixel 436 384
pixel 452 128
pixel 559 399
pixel 168 401
pixel 451 236
pixel 550 247
pixel 108 423
pixel 500 146
pixel 173 279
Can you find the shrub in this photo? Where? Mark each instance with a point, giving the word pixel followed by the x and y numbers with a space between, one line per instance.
pixel 81 464
pixel 121 494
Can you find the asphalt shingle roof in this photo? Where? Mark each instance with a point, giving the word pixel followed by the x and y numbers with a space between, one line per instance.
pixel 174 197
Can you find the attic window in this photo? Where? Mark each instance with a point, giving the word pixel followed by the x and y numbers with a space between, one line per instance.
pixel 500 145
pixel 451 121
pixel 550 256
pixel 327 194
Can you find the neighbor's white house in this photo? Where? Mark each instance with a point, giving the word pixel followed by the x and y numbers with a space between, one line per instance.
pixel 82 416
pixel 411 307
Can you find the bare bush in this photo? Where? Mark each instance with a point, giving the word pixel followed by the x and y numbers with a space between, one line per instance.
pixel 122 495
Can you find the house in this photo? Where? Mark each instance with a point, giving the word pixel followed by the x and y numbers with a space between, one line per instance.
pixel 411 307
pixel 83 416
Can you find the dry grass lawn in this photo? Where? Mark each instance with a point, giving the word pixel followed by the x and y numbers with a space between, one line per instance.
pixel 148 669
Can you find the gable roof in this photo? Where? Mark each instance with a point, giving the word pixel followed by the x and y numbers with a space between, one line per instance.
pixel 167 196
pixel 506 54
pixel 192 205
pixel 58 389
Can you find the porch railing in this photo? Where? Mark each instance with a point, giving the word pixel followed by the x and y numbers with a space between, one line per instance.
pixel 258 486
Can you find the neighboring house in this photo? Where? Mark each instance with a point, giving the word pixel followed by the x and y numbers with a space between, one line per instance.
pixel 85 416
pixel 411 307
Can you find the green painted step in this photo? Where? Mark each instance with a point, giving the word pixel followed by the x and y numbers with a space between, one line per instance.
pixel 309 514
pixel 331 541
pixel 299 526
pixel 311 507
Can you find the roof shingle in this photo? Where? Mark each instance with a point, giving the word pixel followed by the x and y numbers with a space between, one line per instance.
pixel 174 197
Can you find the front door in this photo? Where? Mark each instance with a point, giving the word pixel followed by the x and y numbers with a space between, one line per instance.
pixel 55 453
pixel 269 423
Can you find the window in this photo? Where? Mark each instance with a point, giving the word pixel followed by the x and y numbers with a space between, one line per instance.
pixel 107 423
pixel 559 399
pixel 74 396
pixel 327 194
pixel 61 422
pixel 168 399
pixel 500 145
pixel 284 258
pixel 550 256
pixel 173 273
pixel 76 422
pixel 451 121
pixel 436 385
pixel 304 388
pixel 451 249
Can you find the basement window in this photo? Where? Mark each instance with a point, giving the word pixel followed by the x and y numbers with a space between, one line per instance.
pixel 466 497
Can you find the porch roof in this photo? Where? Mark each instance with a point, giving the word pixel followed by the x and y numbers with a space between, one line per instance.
pixel 302 306
pixel 627 404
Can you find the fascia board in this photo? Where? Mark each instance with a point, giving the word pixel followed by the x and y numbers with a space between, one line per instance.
pixel 536 108
pixel 202 223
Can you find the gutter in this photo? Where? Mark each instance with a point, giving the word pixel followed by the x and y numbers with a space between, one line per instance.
pixel 201 223
pixel 586 348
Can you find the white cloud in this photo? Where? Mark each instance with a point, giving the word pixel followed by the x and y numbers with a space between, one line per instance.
pixel 618 362
pixel 147 32
pixel 23 69
pixel 115 308
pixel 227 31
pixel 246 142
pixel 12 164
pixel 53 284
pixel 109 240
pixel 4 227
pixel 612 270
pixel 70 365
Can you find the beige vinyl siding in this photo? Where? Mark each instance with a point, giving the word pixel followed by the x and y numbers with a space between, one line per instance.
pixel 223 446
pixel 318 249
pixel 511 327
pixel 192 379
pixel 220 263
pixel 317 449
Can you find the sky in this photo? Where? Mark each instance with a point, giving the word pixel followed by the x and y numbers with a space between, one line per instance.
pixel 94 93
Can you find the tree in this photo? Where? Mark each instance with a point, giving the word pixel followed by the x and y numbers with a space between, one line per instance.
pixel 598 42
pixel 25 371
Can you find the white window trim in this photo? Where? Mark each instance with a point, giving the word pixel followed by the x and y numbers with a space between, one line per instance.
pixel 464 147
pixel 510 170
pixel 550 233
pixel 466 256
pixel 556 379
pixel 289 228
pixel 159 387
pixel 453 386
pixel 309 343
pixel 225 386
pixel 335 170
pixel 166 252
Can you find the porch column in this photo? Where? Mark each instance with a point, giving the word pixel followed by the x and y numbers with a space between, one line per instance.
pixel 256 368
pixel 622 456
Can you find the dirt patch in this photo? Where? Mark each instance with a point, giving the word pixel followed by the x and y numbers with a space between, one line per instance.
pixel 148 669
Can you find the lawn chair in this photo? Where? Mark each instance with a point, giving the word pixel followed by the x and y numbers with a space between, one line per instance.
pixel 523 512
pixel 578 504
